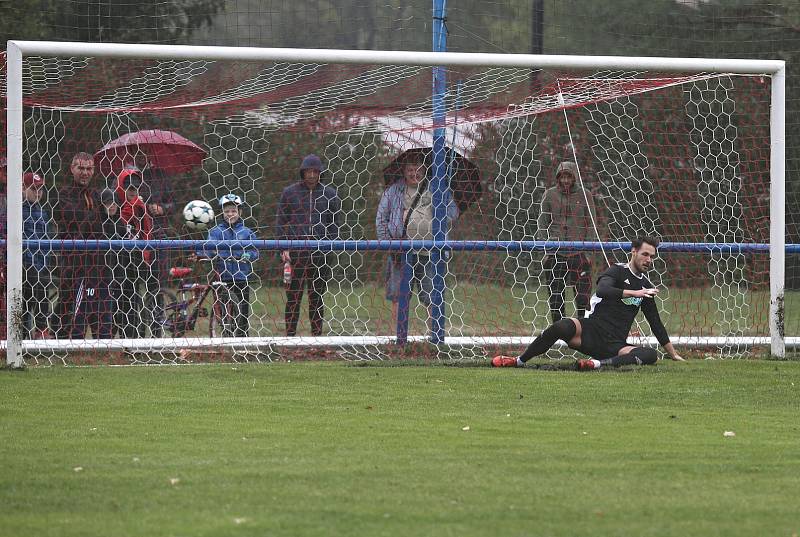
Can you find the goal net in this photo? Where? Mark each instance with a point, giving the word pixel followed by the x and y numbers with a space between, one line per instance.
pixel 501 247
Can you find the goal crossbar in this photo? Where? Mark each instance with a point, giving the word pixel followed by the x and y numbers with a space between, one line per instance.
pixel 385 57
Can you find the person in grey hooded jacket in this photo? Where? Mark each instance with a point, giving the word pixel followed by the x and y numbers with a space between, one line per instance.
pixel 567 214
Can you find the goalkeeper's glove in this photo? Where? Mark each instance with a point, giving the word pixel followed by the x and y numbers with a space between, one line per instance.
pixel 245 256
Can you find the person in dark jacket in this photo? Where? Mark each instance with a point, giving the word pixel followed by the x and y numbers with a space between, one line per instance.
pixel 567 214
pixel 308 210
pixel 234 266
pixel 35 259
pixel 622 291
pixel 158 195
pixel 78 217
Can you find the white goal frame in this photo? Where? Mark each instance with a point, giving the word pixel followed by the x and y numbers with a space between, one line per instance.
pixel 17 50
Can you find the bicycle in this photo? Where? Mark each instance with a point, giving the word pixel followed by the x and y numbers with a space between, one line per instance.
pixel 180 315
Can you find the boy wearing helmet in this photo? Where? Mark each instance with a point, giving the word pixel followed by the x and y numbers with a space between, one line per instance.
pixel 308 210
pixel 234 265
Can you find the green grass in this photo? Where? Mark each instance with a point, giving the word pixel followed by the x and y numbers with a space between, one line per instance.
pixel 337 449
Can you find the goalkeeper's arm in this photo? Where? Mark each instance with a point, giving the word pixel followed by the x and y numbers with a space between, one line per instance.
pixel 654 320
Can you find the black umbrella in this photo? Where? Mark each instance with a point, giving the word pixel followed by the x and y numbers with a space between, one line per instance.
pixel 465 177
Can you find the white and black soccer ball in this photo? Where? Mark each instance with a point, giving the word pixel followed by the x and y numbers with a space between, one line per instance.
pixel 198 215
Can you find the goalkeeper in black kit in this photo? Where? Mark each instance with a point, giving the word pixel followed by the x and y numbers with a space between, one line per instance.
pixel 622 290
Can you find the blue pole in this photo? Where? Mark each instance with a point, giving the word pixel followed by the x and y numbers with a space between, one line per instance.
pixel 404 298
pixel 439 182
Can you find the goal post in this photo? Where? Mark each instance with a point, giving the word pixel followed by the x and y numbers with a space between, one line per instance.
pixel 363 116
pixel 777 206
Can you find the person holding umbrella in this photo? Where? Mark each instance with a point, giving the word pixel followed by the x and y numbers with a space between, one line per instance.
pixel 159 197
pixel 406 212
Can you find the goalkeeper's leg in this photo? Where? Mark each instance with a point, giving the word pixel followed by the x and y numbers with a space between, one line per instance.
pixel 567 330
pixel 635 356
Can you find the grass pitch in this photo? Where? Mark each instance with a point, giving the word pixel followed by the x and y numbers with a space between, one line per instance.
pixel 337 449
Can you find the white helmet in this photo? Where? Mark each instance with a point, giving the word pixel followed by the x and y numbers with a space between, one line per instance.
pixel 230 198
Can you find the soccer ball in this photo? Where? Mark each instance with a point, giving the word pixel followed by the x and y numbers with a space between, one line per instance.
pixel 197 215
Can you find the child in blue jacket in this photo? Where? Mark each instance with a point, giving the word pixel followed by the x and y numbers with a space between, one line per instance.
pixel 234 265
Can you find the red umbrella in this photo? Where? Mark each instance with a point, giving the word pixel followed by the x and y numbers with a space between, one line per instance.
pixel 465 177
pixel 165 150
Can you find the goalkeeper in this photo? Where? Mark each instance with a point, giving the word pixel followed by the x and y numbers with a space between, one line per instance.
pixel 621 291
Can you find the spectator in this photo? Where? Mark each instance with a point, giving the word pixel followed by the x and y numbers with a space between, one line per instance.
pixel 234 265
pixel 159 196
pixel 138 226
pixel 567 214
pixel 406 212
pixel 35 259
pixel 123 267
pixel 308 210
pixel 78 218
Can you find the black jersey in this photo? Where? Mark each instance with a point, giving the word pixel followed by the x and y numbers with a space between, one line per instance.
pixel 613 314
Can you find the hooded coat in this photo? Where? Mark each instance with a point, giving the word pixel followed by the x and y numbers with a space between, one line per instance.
pixel 566 215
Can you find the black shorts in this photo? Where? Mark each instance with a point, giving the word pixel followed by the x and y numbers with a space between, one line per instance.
pixel 597 344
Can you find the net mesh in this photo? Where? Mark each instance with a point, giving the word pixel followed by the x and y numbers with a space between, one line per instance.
pixel 682 157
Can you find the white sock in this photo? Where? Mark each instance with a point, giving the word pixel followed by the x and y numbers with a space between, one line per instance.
pixel 595 363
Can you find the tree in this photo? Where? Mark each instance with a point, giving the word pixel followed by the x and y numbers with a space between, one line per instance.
pixel 107 21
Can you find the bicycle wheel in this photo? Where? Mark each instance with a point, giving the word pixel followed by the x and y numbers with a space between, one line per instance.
pixel 170 316
pixel 154 299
